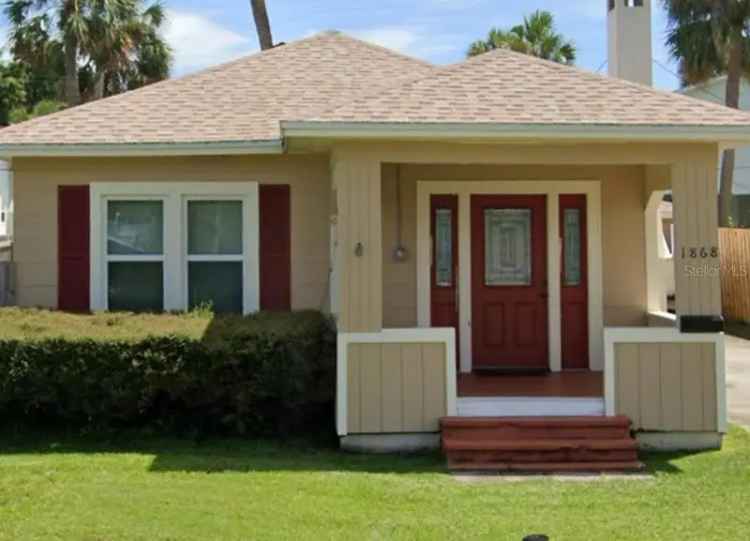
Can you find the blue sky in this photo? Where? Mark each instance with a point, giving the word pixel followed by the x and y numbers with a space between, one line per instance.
pixel 206 33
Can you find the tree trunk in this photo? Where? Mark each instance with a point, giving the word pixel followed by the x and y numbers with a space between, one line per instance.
pixel 72 87
pixel 98 92
pixel 262 25
pixel 734 74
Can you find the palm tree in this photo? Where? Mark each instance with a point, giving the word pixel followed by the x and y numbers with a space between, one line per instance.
pixel 262 24
pixel 536 37
pixel 710 38
pixel 30 19
pixel 113 37
pixel 125 47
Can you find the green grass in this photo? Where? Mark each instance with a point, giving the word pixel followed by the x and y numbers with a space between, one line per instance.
pixel 153 489
pixel 33 324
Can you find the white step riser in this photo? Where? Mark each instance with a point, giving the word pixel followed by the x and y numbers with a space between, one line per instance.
pixel 530 407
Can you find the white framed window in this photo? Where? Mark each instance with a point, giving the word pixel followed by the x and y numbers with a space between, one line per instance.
pixel 134 254
pixel 174 246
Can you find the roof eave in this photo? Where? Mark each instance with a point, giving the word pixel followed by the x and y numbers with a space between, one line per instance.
pixel 727 135
pixel 116 150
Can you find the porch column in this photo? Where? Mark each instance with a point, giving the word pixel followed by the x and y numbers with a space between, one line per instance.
pixel 359 255
pixel 696 253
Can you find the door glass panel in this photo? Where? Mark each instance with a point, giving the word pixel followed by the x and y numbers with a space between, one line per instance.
pixel 572 247
pixel 444 247
pixel 135 228
pixel 215 227
pixel 507 237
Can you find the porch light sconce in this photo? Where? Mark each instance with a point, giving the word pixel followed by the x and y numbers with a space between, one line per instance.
pixel 359 249
pixel 400 254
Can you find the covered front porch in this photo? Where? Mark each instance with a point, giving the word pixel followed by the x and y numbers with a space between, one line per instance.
pixel 440 316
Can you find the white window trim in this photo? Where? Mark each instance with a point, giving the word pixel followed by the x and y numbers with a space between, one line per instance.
pixel 552 189
pixel 175 196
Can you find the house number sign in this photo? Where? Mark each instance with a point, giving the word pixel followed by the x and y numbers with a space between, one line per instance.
pixel 701 252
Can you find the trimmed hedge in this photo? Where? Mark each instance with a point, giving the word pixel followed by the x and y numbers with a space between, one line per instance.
pixel 249 380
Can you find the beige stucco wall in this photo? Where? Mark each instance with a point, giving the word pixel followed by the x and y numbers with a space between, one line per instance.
pixel 36 182
pixel 623 204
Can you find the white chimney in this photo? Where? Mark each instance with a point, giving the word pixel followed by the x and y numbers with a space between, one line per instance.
pixel 629 33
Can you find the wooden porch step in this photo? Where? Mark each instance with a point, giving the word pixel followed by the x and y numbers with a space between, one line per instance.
pixel 534 428
pixel 539 444
pixel 619 421
pixel 550 467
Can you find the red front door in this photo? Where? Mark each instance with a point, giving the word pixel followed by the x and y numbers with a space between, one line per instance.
pixel 509 282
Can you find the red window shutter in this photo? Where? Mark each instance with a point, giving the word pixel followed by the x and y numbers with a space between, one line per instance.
pixel 275 248
pixel 73 248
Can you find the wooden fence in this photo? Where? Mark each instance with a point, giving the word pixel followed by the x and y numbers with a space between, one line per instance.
pixel 735 273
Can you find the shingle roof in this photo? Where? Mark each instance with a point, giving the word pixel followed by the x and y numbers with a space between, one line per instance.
pixel 243 100
pixel 334 78
pixel 504 87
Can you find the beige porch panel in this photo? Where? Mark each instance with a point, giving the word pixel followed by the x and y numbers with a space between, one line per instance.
pixel 697 276
pixel 667 386
pixel 395 388
pixel 356 183
pixel 35 189
pixel 623 234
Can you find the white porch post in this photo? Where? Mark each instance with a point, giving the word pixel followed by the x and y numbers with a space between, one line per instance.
pixel 359 254
pixel 696 243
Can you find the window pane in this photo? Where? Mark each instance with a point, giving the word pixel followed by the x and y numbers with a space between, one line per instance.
pixel 572 247
pixel 136 287
pixel 507 234
pixel 217 284
pixel 135 227
pixel 215 227
pixel 444 247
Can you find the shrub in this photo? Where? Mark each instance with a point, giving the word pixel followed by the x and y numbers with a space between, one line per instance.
pixel 261 375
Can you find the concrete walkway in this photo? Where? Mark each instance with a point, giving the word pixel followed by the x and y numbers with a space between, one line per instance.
pixel 738 380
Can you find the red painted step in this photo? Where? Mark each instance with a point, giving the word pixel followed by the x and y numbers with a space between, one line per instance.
pixel 539 444
pixel 551 467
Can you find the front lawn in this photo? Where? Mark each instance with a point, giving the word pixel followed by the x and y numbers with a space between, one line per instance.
pixel 155 489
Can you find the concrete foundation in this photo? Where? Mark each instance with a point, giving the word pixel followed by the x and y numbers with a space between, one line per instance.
pixel 390 443
pixel 679 441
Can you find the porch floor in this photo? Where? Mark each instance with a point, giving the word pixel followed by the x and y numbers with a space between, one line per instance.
pixel 582 384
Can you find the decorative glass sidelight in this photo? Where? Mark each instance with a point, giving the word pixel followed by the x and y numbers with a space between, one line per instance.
pixel 507 237
pixel 444 247
pixel 572 271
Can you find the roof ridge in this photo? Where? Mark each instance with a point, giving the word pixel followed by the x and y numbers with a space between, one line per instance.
pixel 615 80
pixel 219 67
pixel 376 46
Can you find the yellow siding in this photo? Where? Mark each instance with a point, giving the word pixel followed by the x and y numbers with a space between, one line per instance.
pixel 667 387
pixel 35 191
pixel 623 232
pixel 395 388
pixel 697 279
pixel 356 180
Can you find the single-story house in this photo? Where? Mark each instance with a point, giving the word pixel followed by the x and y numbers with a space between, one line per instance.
pixel 476 229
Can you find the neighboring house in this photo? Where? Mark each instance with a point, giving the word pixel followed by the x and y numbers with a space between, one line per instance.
pixel 5 202
pixel 715 91
pixel 514 189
